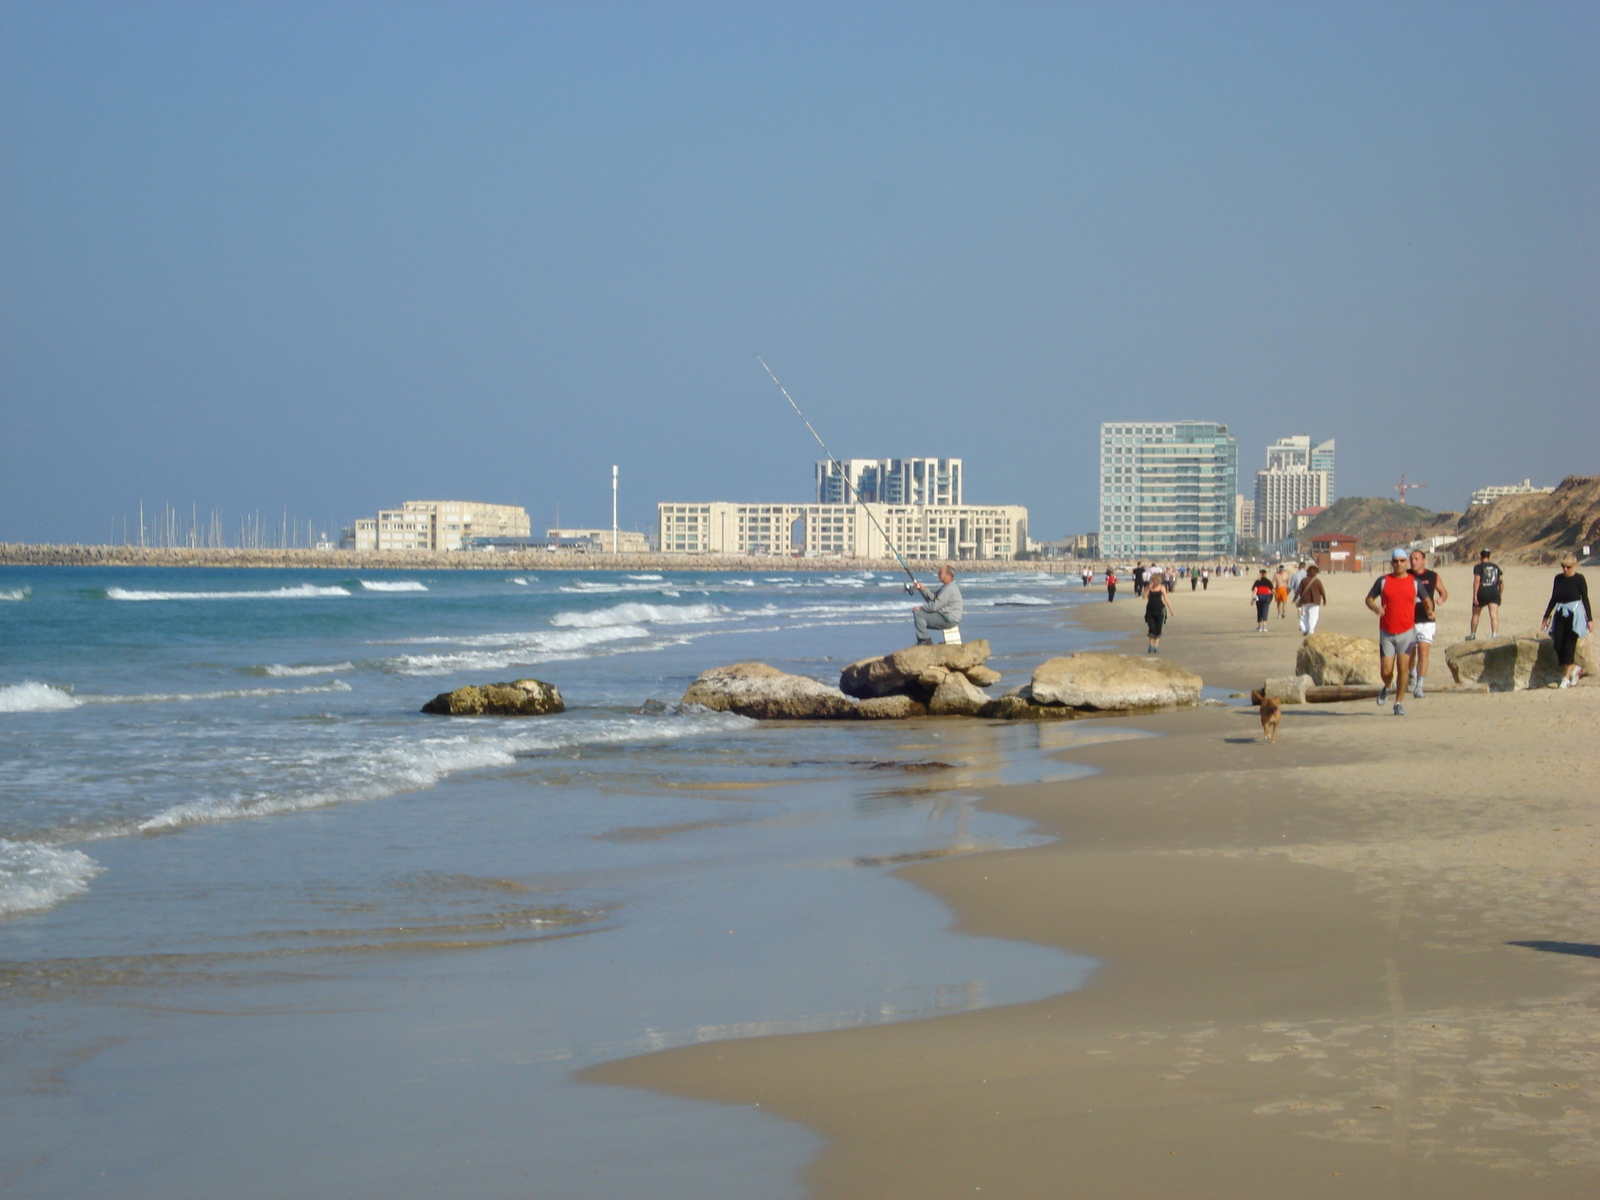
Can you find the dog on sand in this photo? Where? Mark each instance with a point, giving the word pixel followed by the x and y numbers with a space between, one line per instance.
pixel 1271 710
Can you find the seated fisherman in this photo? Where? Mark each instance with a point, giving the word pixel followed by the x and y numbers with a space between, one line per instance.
pixel 943 610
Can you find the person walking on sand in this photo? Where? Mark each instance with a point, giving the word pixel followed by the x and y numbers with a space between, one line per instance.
pixel 1394 598
pixel 1297 579
pixel 943 610
pixel 1194 578
pixel 1205 579
pixel 1280 590
pixel 1309 599
pixel 1430 585
pixel 1261 597
pixel 1157 608
pixel 1488 591
pixel 1138 578
pixel 1569 616
pixel 1111 585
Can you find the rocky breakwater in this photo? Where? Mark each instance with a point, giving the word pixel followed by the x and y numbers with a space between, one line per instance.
pixel 520 698
pixel 753 689
pixel 1080 684
pixel 1513 662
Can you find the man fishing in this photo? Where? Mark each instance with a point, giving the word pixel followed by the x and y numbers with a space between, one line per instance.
pixel 943 609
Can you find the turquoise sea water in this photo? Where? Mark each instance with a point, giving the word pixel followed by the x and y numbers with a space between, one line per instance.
pixel 265 929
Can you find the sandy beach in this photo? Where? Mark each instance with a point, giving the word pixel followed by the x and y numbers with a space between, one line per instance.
pixel 1363 961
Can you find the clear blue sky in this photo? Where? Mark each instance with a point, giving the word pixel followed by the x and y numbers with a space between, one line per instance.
pixel 334 256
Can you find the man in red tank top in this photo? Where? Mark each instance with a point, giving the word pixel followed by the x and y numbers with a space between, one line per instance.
pixel 1394 598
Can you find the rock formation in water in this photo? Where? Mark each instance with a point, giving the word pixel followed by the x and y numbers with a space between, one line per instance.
pixel 753 689
pixel 520 698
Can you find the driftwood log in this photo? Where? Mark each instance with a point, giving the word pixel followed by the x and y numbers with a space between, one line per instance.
pixel 1326 694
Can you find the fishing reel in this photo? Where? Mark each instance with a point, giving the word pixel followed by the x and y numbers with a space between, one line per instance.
pixel 911 588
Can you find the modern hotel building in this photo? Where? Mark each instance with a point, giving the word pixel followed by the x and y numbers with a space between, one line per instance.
pixel 844 530
pixel 934 481
pixel 1167 489
pixel 1298 475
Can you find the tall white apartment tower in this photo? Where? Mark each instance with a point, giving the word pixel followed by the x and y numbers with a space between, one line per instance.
pixel 934 482
pixel 1298 475
pixel 1167 489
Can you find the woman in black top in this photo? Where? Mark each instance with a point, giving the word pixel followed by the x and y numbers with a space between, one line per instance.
pixel 1261 594
pixel 1568 617
pixel 1156 610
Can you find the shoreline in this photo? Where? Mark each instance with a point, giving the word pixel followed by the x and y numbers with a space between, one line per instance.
pixel 1312 981
pixel 17 554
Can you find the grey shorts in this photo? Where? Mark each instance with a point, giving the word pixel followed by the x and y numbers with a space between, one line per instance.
pixel 1392 645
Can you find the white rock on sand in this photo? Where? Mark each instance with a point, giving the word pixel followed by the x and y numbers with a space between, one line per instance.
pixel 1113 682
pixel 1337 658
pixel 753 689
pixel 1513 662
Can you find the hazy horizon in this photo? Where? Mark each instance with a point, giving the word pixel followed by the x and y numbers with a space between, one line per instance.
pixel 333 257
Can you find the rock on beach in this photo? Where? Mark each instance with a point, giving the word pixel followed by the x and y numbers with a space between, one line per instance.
pixel 1337 658
pixel 1105 682
pixel 1513 662
pixel 753 689
pixel 520 698
pixel 916 670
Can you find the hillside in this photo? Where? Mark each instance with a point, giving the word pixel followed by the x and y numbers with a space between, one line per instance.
pixel 1376 521
pixel 1533 529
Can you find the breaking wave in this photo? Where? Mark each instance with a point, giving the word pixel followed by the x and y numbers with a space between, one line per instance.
pixel 15 593
pixel 298 592
pixel 392 585
pixel 640 614
pixel 278 670
pixel 29 696
pixel 35 877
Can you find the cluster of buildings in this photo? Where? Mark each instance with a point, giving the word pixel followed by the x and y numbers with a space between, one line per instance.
pixel 861 506
pixel 1170 490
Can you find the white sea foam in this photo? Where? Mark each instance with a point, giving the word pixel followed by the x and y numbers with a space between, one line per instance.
pixel 336 685
pixel 1014 600
pixel 29 696
pixel 585 587
pixel 281 671
pixel 640 614
pixel 298 592
pixel 15 593
pixel 657 577
pixel 392 585
pixel 493 651
pixel 35 877
pixel 519 580
pixel 414 766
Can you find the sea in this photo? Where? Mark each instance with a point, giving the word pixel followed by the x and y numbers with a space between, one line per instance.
pixel 268 930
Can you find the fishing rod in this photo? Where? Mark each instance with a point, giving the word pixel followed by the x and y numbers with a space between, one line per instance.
pixel 843 474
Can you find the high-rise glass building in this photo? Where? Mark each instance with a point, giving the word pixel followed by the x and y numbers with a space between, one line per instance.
pixel 924 481
pixel 1167 489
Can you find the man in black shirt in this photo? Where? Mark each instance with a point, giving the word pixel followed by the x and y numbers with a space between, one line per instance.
pixel 1430 588
pixel 1488 591
pixel 1138 578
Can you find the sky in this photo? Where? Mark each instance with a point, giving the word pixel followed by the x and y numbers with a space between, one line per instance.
pixel 327 257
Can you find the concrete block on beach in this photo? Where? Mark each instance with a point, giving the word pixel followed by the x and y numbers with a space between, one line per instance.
pixel 1105 682
pixel 520 698
pixel 1513 662
pixel 753 689
pixel 1288 690
pixel 1337 658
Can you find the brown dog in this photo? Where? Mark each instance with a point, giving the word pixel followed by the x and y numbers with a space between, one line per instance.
pixel 1271 710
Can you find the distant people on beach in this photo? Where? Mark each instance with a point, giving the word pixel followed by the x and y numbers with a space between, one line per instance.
pixel 1569 616
pixel 1431 587
pixel 1194 578
pixel 1138 579
pixel 1261 597
pixel 1157 608
pixel 1088 576
pixel 1488 591
pixel 1296 579
pixel 1309 598
pixel 1205 578
pixel 1111 585
pixel 943 609
pixel 1394 597
pixel 1280 590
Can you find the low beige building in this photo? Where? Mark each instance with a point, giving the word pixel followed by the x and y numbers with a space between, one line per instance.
pixel 624 543
pixel 844 530
pixel 440 525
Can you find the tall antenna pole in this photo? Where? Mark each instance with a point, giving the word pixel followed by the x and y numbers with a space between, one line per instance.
pixel 613 508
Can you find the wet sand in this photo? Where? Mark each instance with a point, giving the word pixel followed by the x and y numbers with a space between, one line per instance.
pixel 1312 981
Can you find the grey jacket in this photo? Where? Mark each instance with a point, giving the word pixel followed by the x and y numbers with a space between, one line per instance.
pixel 947 600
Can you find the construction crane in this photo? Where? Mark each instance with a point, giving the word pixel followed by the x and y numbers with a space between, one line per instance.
pixel 1403 487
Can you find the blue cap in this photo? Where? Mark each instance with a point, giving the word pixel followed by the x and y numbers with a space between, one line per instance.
pixel 1399 552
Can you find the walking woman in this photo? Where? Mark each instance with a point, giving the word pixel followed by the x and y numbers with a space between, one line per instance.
pixel 1157 608
pixel 1261 596
pixel 1309 598
pixel 1111 584
pixel 1568 617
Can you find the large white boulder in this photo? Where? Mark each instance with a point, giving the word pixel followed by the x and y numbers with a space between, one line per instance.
pixel 1113 681
pixel 1512 662
pixel 1338 658
pixel 753 689
pixel 956 696
pixel 903 671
